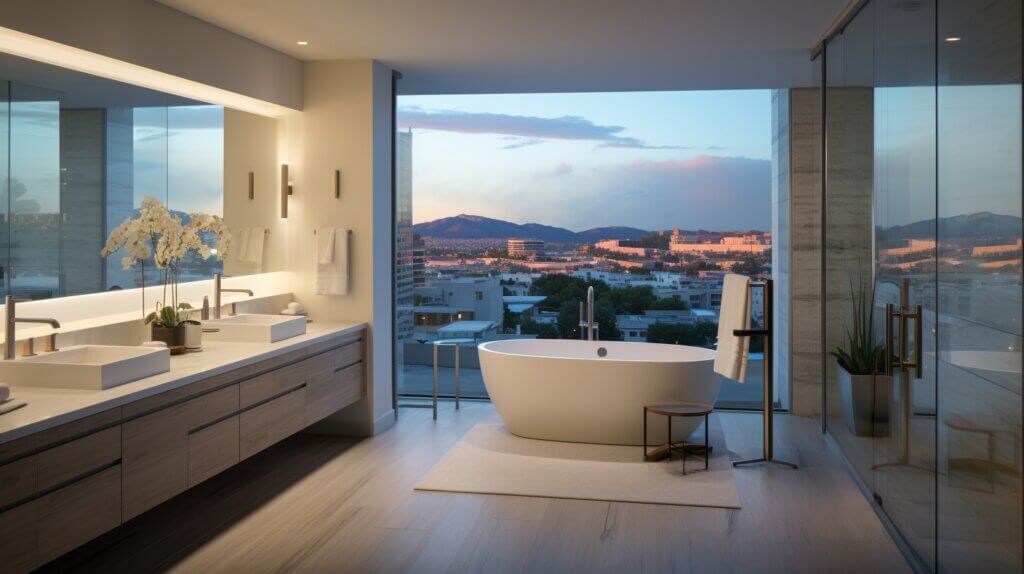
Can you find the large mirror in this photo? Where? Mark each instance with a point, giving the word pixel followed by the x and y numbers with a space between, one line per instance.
pixel 78 154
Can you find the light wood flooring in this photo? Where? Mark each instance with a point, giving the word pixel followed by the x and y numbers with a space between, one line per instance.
pixel 323 504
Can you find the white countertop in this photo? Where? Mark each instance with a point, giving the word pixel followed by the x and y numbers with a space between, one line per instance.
pixel 48 408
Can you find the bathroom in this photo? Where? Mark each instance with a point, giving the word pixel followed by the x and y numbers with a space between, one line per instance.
pixel 253 322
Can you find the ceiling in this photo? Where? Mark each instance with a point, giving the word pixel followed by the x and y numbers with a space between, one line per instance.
pixel 516 46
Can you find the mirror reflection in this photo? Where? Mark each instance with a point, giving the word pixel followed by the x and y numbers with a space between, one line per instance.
pixel 78 154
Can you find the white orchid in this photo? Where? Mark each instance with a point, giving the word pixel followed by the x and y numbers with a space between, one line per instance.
pixel 160 234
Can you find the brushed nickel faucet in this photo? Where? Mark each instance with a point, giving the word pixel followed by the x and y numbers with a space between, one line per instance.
pixel 10 319
pixel 589 329
pixel 217 290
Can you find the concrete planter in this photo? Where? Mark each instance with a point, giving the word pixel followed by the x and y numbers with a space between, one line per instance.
pixel 865 401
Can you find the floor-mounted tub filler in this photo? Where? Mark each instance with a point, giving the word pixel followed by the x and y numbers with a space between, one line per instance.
pixel 594 391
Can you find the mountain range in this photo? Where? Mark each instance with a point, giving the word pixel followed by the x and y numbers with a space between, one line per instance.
pixel 477 227
pixel 974 225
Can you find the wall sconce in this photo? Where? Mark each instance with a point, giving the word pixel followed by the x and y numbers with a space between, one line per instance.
pixel 252 186
pixel 286 190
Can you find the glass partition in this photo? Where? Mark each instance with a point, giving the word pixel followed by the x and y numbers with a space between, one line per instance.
pixel 923 193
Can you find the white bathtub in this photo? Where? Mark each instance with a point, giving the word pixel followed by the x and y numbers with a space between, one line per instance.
pixel 564 390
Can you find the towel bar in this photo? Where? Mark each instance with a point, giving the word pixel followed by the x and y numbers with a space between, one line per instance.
pixel 767 454
pixel 349 232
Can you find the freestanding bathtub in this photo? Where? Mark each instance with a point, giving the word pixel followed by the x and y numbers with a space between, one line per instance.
pixel 594 391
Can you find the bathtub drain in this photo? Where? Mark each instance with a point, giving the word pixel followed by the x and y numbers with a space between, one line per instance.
pixel 602 352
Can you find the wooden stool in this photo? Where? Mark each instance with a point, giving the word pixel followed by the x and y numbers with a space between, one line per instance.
pixel 678 409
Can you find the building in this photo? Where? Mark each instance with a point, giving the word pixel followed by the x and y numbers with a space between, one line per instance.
pixel 447 301
pixel 752 244
pixel 531 248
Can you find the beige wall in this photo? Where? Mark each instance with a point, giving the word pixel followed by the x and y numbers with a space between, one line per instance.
pixel 254 144
pixel 345 125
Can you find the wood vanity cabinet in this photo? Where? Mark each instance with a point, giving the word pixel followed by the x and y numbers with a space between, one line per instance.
pixel 65 486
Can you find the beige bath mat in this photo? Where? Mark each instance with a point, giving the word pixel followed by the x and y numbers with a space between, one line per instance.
pixel 491 460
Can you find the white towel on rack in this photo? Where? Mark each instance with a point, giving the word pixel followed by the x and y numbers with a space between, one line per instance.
pixel 325 245
pixel 332 278
pixel 254 249
pixel 731 356
pixel 243 243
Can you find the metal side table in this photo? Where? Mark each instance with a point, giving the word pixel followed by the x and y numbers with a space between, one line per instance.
pixel 457 343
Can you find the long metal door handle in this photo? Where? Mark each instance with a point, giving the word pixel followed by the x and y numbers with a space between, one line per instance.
pixel 889 314
pixel 918 321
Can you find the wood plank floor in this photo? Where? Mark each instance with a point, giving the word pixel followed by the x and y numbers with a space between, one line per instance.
pixel 323 504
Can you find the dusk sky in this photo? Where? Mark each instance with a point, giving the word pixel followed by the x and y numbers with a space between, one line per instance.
pixel 653 160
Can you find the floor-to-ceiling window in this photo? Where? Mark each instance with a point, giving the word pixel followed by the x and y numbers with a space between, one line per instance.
pixel 922 250
pixel 508 207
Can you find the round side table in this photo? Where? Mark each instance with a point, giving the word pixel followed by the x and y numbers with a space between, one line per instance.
pixel 670 411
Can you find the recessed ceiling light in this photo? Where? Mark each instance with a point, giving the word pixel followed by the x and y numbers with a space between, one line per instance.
pixel 953 39
pixel 302 43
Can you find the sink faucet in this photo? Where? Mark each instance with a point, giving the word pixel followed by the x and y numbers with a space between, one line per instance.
pixel 590 328
pixel 217 290
pixel 9 321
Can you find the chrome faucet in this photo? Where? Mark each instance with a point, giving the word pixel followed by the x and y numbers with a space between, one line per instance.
pixel 9 321
pixel 217 290
pixel 590 328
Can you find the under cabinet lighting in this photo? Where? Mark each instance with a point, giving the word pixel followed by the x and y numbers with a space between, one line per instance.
pixel 302 43
pixel 953 39
pixel 49 52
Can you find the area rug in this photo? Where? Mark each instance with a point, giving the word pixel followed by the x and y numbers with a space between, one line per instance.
pixel 491 460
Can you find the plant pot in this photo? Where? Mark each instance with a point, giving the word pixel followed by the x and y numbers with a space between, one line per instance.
pixel 865 400
pixel 173 336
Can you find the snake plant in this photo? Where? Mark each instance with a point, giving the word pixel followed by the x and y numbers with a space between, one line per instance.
pixel 861 354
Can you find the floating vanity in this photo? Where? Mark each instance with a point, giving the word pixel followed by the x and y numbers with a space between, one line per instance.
pixel 77 463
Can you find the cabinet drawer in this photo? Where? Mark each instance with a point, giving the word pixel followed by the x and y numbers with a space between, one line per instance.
pixel 155 459
pixel 18 538
pixel 78 457
pixel 271 384
pixel 211 407
pixel 348 355
pixel 78 513
pixel 329 392
pixel 212 449
pixel 272 421
pixel 17 480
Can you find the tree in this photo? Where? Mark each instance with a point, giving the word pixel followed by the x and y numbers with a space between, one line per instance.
pixel 560 289
pixel 604 316
pixel 747 266
pixel 632 300
pixel 700 334
pixel 673 303
pixel 542 330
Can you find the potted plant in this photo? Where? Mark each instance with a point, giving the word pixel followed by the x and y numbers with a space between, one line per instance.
pixel 161 235
pixel 865 393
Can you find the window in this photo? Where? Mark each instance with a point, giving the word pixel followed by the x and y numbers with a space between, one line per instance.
pixel 515 204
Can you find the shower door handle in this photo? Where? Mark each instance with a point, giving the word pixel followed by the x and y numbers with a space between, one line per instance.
pixel 898 359
pixel 890 356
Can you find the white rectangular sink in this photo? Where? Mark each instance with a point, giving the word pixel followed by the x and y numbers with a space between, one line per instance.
pixel 91 367
pixel 251 328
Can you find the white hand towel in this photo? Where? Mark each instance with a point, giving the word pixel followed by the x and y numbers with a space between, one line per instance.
pixel 5 392
pixel 254 251
pixel 332 278
pixel 243 243
pixel 325 245
pixel 731 356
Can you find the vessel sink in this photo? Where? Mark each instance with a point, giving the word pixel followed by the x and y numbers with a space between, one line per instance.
pixel 91 367
pixel 251 328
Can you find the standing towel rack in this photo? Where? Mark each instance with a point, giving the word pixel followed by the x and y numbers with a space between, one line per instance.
pixel 767 454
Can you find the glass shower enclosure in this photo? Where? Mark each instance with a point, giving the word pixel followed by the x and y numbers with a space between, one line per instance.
pixel 922 286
